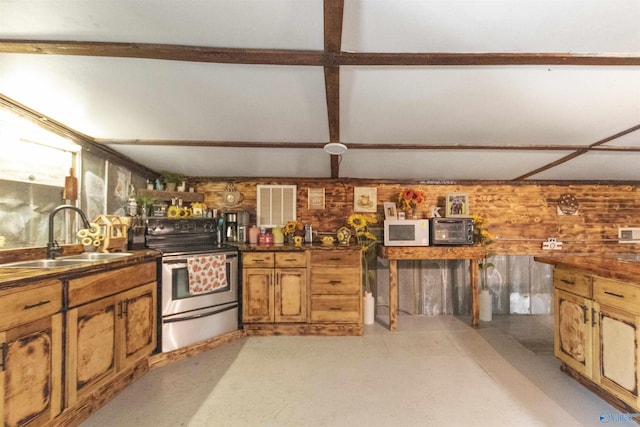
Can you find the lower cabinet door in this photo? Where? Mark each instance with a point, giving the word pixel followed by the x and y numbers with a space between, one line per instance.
pixel 31 372
pixel 138 319
pixel 573 331
pixel 291 295
pixel 617 347
pixel 258 294
pixel 91 347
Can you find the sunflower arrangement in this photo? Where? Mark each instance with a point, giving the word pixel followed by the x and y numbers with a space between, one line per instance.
pixel 481 234
pixel 292 227
pixel 367 242
pixel 482 237
pixel 410 199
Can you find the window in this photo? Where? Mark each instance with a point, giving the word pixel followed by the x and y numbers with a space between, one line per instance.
pixel 276 205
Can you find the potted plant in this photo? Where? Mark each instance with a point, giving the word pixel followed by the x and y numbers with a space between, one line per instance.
pixel 172 179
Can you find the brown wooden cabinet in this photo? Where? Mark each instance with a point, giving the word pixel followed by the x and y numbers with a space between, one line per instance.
pixel 573 331
pixel 111 324
pixel 616 335
pixel 336 287
pixel 274 287
pixel 31 354
pixel 597 331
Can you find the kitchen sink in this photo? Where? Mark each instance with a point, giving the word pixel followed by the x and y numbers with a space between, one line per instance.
pixel 96 256
pixel 44 263
pixel 68 261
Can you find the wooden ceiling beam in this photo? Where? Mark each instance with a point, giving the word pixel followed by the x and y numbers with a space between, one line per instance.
pixel 303 57
pixel 579 152
pixel 333 16
pixel 361 146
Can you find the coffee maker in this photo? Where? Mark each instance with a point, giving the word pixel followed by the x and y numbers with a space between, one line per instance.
pixel 236 226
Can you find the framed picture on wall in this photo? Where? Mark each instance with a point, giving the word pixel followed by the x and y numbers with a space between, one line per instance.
pixel 365 199
pixel 390 210
pixel 458 205
pixel 316 198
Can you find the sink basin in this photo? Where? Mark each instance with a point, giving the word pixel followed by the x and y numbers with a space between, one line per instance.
pixel 96 256
pixel 44 263
pixel 68 261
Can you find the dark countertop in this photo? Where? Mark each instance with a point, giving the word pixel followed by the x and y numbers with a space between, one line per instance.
pixel 290 248
pixel 15 277
pixel 614 266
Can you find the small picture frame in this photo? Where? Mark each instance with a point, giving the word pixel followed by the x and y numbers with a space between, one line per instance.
pixel 457 205
pixel 365 199
pixel 316 198
pixel 390 210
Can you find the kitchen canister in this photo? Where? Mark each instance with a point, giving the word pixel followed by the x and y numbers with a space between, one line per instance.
pixel 254 231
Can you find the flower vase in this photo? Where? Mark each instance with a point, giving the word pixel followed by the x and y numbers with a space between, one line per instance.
pixel 414 212
pixel 369 308
pixel 485 300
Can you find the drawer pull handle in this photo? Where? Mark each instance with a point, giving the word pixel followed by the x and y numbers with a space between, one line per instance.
pixel 38 304
pixel 335 308
pixel 568 282
pixel 584 313
pixel 335 282
pixel 613 294
pixel 290 259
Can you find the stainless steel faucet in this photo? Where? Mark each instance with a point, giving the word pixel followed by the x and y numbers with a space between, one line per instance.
pixel 52 246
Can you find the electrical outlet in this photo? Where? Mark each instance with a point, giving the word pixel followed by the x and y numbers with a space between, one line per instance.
pixel 552 244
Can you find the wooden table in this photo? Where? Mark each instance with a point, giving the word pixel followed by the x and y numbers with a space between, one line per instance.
pixel 395 253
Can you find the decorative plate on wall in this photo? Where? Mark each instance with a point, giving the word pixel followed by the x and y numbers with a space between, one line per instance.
pixel 567 204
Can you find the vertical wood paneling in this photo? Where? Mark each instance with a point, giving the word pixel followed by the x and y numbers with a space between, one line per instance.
pixel 522 216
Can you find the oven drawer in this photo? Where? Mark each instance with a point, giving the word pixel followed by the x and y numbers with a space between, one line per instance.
pixel 335 308
pixel 258 259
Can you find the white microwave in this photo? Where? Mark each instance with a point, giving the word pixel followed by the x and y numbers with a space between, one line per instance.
pixel 406 232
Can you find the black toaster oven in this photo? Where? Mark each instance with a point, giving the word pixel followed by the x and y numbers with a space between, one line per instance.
pixel 451 231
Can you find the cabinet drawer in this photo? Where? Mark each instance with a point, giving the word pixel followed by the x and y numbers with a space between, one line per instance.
pixel 338 257
pixel 573 281
pixel 335 308
pixel 258 259
pixel 291 259
pixel 335 281
pixel 617 294
pixel 34 302
pixel 96 286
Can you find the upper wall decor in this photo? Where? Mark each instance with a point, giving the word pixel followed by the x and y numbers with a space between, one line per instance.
pixel 567 204
pixel 365 199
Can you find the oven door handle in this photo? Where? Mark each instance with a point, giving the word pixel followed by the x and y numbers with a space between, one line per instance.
pixel 200 315
pixel 184 260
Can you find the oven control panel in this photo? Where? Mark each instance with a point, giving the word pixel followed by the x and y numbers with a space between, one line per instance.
pixel 181 226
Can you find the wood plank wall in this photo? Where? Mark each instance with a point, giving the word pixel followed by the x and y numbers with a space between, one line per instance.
pixel 521 215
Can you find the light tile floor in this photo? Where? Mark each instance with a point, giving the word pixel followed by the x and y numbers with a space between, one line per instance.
pixel 433 371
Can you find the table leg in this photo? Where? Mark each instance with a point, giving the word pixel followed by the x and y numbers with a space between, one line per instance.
pixel 475 307
pixel 393 294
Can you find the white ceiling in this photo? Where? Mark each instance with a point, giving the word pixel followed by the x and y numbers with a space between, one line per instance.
pixel 125 99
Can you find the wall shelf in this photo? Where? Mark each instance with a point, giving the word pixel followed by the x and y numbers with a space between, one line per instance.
pixel 168 195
